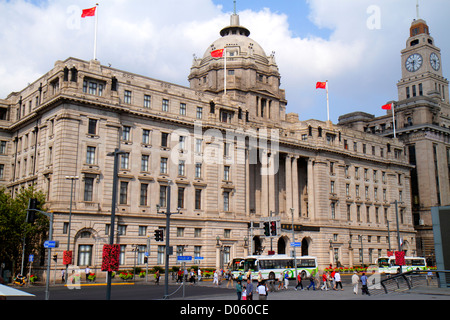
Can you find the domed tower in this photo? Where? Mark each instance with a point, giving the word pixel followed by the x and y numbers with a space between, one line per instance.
pixel 252 77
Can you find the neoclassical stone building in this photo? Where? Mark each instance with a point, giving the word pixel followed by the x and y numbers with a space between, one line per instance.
pixel 230 158
pixel 422 122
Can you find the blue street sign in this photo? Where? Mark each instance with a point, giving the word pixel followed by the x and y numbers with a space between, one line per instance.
pixel 184 258
pixel 50 244
pixel 31 258
pixel 199 258
pixel 296 244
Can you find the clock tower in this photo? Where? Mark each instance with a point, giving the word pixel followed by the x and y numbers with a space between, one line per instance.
pixel 421 66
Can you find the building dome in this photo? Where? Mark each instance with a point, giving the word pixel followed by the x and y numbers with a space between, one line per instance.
pixel 235 38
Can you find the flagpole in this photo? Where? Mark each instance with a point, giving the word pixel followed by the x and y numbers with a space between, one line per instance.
pixel 393 119
pixel 96 30
pixel 328 104
pixel 225 71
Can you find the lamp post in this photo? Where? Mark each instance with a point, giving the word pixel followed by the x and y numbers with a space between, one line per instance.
pixel 114 154
pixel 73 179
pixel 168 214
pixel 293 240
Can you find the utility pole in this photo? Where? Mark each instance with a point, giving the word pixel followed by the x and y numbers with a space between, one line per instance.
pixel 168 253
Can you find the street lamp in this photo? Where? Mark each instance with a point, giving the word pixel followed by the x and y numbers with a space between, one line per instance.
pixel 72 178
pixel 114 154
pixel 168 214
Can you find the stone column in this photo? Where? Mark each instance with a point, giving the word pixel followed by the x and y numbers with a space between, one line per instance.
pixel 295 191
pixel 288 175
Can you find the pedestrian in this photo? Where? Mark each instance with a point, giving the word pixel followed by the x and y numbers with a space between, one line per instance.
pixel 286 280
pixel 192 276
pixel 239 290
pixel 338 281
pixel 63 272
pixel 249 289
pixel 355 282
pixel 216 278
pixel 333 281
pixel 157 276
pixel 324 280
pixel 312 281
pixel 364 289
pixel 229 278
pixel 87 271
pixel 299 282
pixel 259 277
pixel 199 275
pixel 281 285
pixel 262 291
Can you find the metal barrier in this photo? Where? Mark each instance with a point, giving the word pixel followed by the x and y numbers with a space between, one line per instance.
pixel 412 279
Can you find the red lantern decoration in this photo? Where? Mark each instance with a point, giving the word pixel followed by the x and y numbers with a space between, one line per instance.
pixel 67 257
pixel 111 255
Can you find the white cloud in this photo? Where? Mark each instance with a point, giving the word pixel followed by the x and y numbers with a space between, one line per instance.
pixel 158 39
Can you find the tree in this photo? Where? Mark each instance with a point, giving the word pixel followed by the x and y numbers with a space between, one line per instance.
pixel 14 229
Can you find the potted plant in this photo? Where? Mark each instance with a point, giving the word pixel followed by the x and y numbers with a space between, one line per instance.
pixel 33 279
pixel 92 277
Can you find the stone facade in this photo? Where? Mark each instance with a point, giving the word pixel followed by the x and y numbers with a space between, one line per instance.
pixel 231 160
pixel 422 118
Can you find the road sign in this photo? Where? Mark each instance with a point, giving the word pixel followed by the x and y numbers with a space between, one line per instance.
pixel 51 244
pixel 184 258
pixel 31 258
pixel 199 258
pixel 296 244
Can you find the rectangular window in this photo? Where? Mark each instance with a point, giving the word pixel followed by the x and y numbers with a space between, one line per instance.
pixel 85 255
pixel 146 136
pixel 182 168
pixel 144 162
pixel 144 194
pixel 123 192
pixel 125 161
pixel 199 112
pixel 226 201
pixel 226 173
pixel 198 170
pixel 126 136
pixel 198 199
pixel 165 105
pixel 90 155
pixel 163 196
pixel 127 97
pixel 92 126
pixel 164 139
pixel 182 109
pixel 2 147
pixel 163 166
pixel 181 197
pixel 147 101
pixel 88 189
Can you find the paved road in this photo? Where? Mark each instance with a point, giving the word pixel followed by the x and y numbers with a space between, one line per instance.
pixel 206 290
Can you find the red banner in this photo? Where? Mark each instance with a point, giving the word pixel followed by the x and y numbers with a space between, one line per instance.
pixel 110 259
pixel 400 258
pixel 67 257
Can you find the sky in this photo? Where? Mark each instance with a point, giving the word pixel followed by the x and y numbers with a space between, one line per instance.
pixel 354 44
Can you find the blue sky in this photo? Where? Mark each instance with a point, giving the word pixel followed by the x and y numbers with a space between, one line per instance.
pixel 314 40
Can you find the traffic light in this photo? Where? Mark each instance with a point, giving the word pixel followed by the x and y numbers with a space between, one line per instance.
pixel 159 235
pixel 33 205
pixel 273 228
pixel 55 257
pixel 266 229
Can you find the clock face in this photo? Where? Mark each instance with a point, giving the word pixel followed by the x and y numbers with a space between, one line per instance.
pixel 435 62
pixel 414 62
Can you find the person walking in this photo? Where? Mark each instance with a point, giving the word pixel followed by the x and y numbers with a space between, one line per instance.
pixel 364 289
pixel 324 280
pixel 239 290
pixel 311 281
pixel 338 281
pixel 355 282
pixel 262 291
pixel 286 280
pixel 280 279
pixel 299 282
pixel 249 289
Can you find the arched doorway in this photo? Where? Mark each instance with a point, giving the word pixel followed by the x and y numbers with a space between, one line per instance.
pixel 305 246
pixel 281 247
pixel 257 247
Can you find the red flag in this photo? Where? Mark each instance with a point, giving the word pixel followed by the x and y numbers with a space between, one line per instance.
pixel 88 12
pixel 217 53
pixel 321 85
pixel 387 107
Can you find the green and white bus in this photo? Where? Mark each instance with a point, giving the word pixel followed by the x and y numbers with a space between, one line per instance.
pixel 271 267
pixel 388 265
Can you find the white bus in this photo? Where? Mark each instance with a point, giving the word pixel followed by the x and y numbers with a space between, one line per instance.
pixel 271 267
pixel 388 265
